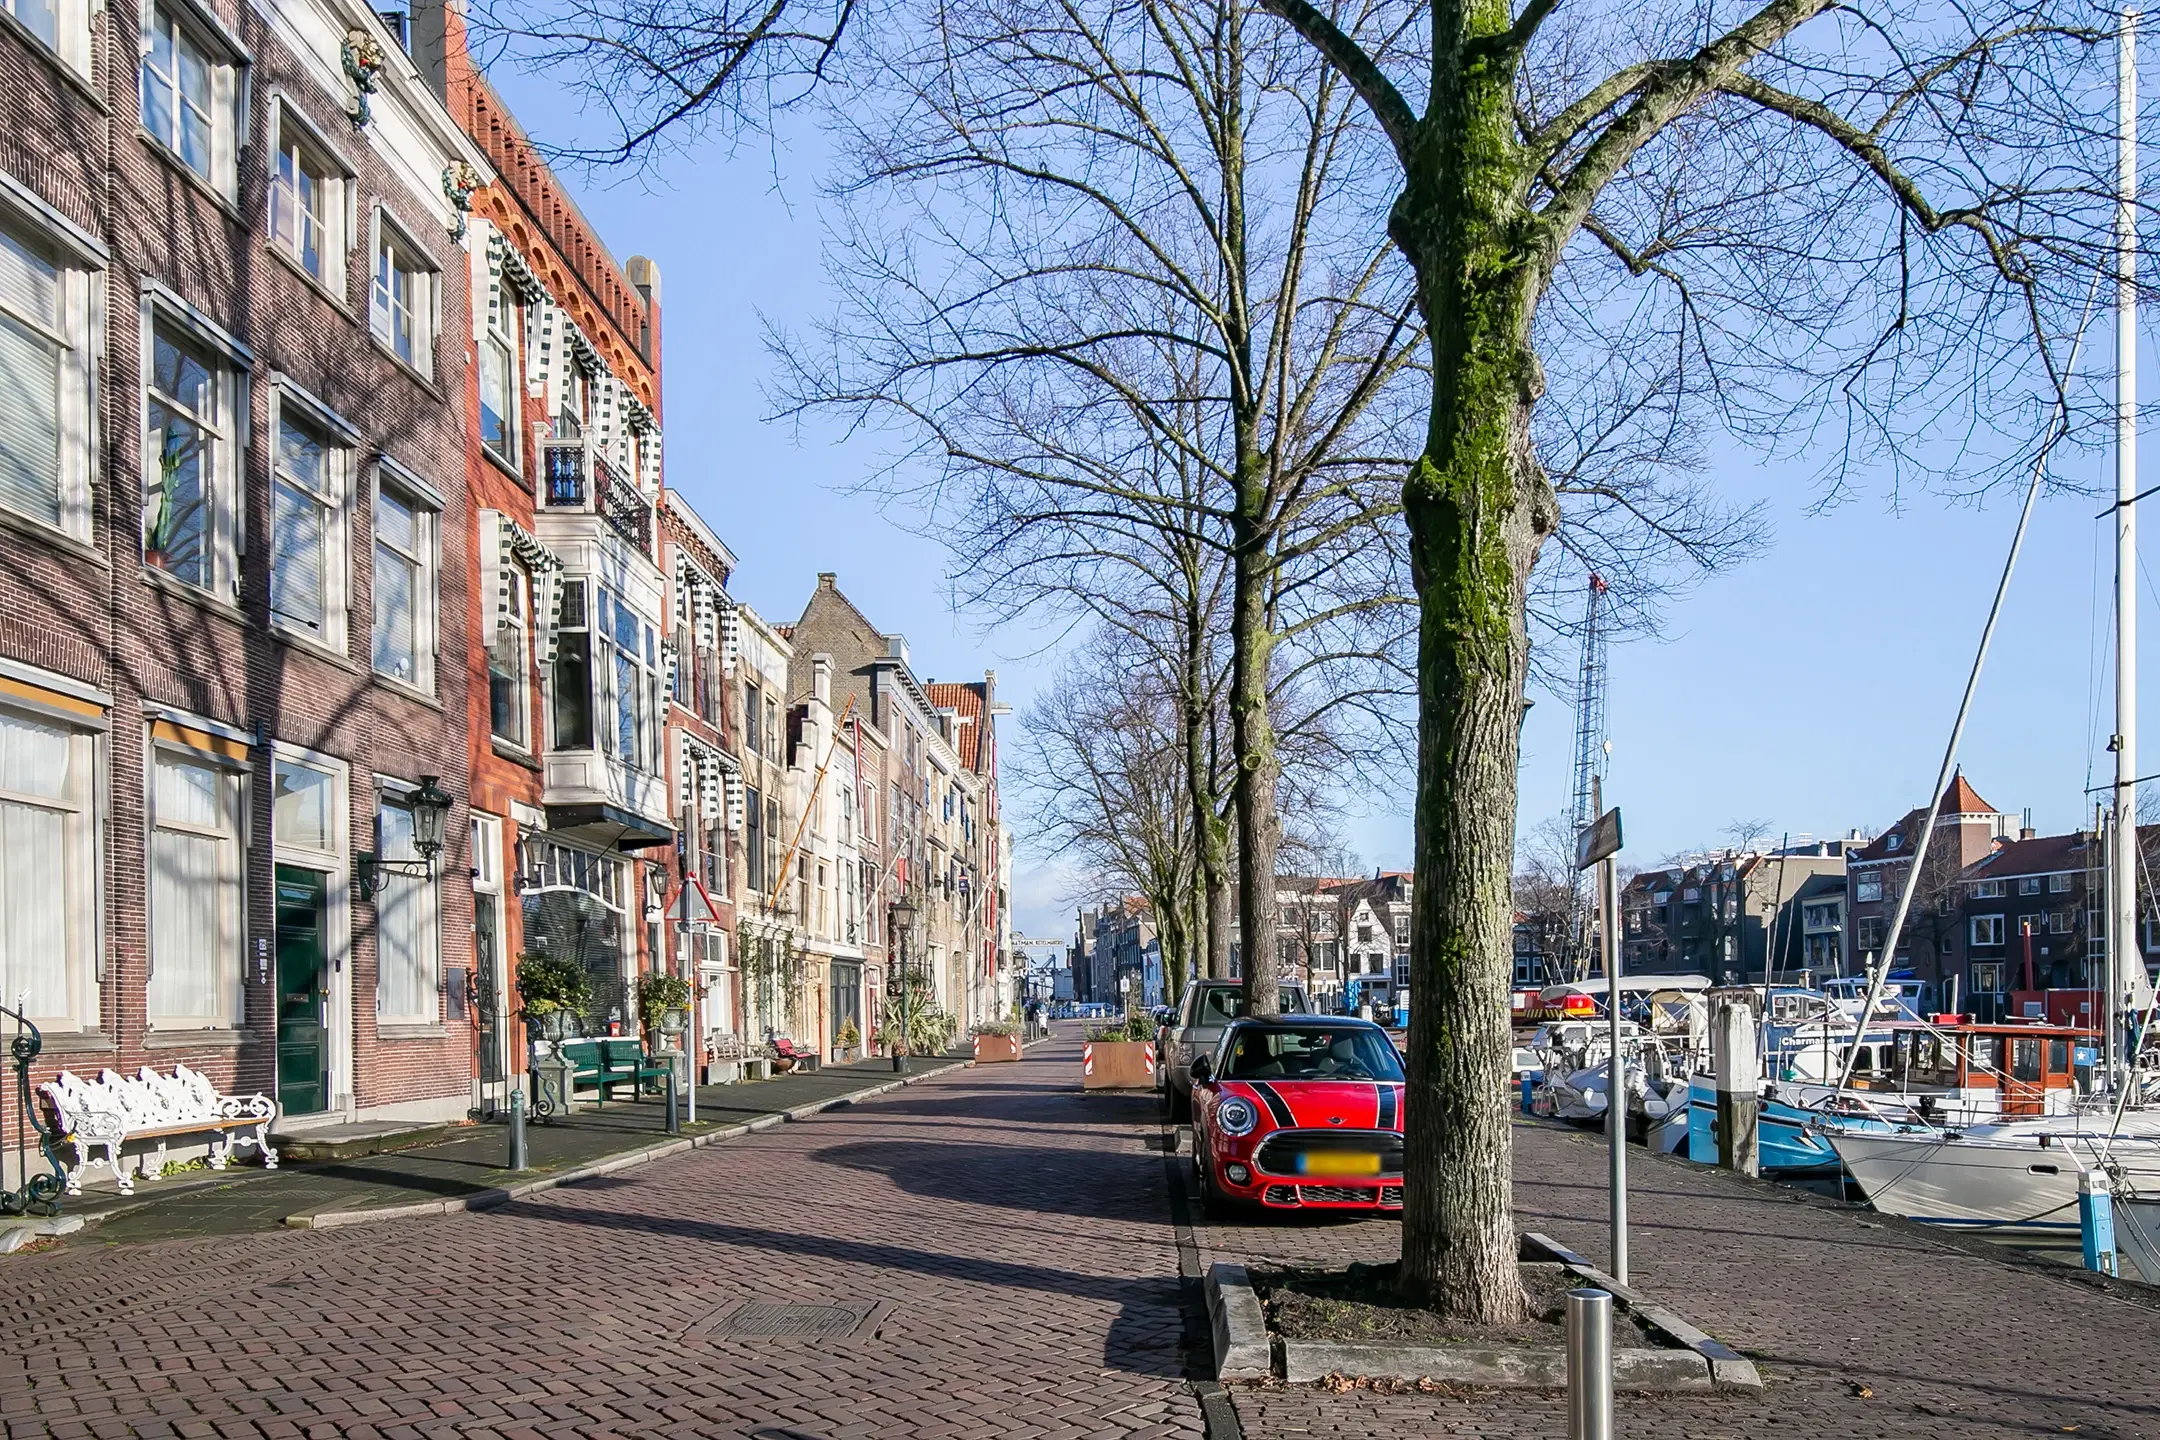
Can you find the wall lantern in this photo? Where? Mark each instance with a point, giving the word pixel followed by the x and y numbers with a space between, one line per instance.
pixel 430 812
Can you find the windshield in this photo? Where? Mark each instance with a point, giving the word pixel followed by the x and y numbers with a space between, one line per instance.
pixel 1318 1052
pixel 1220 1004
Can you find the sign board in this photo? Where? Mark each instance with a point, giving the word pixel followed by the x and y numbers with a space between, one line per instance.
pixel 1598 839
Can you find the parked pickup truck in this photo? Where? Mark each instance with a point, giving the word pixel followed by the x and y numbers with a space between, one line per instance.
pixel 1209 1006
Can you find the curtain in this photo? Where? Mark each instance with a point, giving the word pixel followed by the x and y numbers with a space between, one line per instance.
pixel 194 895
pixel 36 857
pixel 404 930
pixel 296 561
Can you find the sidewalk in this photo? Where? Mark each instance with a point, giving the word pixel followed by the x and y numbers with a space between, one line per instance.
pixel 469 1170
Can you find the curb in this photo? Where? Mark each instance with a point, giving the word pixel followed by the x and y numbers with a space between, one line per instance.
pixel 497 1196
pixel 1244 1350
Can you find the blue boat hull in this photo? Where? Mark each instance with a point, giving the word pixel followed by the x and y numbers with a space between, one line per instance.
pixel 1785 1145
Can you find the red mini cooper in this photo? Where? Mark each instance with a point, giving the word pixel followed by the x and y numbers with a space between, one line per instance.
pixel 1300 1112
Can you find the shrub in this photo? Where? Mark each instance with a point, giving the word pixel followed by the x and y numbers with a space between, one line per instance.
pixel 657 992
pixel 546 985
pixel 849 1037
pixel 997 1027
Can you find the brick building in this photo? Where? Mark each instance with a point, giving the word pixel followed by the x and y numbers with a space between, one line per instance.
pixel 232 500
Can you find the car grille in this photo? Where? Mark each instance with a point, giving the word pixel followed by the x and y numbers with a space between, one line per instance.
pixel 1278 1154
pixel 1390 1195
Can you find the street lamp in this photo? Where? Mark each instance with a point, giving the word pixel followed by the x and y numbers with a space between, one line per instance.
pixel 903 919
pixel 430 806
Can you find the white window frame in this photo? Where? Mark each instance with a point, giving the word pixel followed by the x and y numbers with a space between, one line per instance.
pixel 226 60
pixel 81 266
pixel 1868 889
pixel 1987 930
pixel 393 794
pixel 232 939
pixel 296 137
pixel 648 705
pixel 1987 890
pixel 514 626
pixel 70 40
pixel 230 365
pixel 82 809
pixel 2058 884
pixel 288 404
pixel 1983 970
pixel 426 557
pixel 2028 885
pixel 422 303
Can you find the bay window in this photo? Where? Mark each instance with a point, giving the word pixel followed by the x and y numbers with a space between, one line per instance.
pixel 632 648
pixel 573 671
pixel 196 852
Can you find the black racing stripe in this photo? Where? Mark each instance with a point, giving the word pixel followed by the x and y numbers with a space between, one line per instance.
pixel 1388 1106
pixel 1277 1106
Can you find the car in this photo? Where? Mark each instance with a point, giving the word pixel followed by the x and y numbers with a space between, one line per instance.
pixel 1208 1006
pixel 1299 1112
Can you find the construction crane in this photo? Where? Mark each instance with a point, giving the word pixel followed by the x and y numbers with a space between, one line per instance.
pixel 1590 755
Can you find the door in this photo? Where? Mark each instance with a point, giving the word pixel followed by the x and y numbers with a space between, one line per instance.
pixel 303 992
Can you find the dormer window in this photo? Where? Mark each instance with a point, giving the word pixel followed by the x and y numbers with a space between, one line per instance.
pixel 1893 842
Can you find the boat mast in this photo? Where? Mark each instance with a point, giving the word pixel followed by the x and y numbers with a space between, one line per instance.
pixel 2122 857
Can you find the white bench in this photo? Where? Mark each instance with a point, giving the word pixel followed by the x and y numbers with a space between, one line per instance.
pixel 108 1112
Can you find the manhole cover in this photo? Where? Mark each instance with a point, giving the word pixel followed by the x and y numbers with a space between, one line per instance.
pixel 792 1322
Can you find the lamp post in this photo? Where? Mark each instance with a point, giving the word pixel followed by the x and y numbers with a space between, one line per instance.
pixel 903 919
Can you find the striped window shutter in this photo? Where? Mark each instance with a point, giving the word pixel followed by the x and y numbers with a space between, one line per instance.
pixel 545 377
pixel 607 428
pixel 730 635
pixel 712 790
pixel 670 662
pixel 704 616
pixel 737 798
pixel 649 461
pixel 490 317
pixel 686 774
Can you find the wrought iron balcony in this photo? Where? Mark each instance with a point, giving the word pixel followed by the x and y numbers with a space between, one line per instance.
pixel 565 466
pixel 626 511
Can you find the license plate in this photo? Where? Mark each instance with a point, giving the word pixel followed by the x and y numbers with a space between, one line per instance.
pixel 1339 1162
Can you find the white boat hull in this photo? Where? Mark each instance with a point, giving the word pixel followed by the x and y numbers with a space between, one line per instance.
pixel 2008 1180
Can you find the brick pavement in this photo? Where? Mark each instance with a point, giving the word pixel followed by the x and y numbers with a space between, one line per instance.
pixel 246 1198
pixel 1949 1340
pixel 1017 1232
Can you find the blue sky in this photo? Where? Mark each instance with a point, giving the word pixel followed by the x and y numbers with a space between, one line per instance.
pixel 1811 689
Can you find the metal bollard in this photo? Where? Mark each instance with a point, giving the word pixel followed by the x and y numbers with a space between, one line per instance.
pixel 517 1130
pixel 2096 1221
pixel 1589 1364
pixel 674 1115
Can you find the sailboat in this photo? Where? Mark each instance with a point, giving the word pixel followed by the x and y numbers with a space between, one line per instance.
pixel 2022 1171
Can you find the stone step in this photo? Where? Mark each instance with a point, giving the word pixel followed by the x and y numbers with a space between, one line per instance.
pixel 354 1140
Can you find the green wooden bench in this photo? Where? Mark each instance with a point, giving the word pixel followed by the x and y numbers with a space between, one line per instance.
pixel 603 1062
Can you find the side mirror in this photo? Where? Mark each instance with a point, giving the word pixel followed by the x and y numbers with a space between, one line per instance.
pixel 1203 1070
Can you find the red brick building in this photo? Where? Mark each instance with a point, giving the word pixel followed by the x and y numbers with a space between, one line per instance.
pixel 232 559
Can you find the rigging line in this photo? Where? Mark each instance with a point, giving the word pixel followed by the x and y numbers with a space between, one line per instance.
pixel 1881 971
pixel 2092 664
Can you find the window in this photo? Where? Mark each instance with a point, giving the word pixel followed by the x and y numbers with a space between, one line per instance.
pixel 190 98
pixel 570 409
pixel 772 728
pixel 2060 922
pixel 713 858
pixel 303 808
pixel 404 577
pixel 1987 929
pixel 508 690
pixel 2058 884
pixel 1869 889
pixel 1893 841
pixel 48 870
pixel 632 647
pixel 772 840
pixel 1402 932
pixel 190 469
pixel 753 720
pixel 2028 884
pixel 754 841
pixel 307 541
pixel 1987 889
pixel 1987 977
pixel 45 378
pixel 573 671
pixel 64 26
pixel 407 954
pixel 307 202
pixel 498 397
pixel 402 316
pixel 1870 935
pixel 196 853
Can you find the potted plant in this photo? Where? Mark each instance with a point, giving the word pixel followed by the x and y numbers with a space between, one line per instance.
pixel 849 1037
pixel 663 1002
pixel 1120 1056
pixel 996 1041
pixel 552 994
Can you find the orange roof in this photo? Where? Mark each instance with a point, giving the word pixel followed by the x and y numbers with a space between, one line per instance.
pixel 1962 799
pixel 966 701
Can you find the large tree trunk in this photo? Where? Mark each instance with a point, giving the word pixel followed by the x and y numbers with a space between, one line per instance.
pixel 1253 745
pixel 1478 507
pixel 1211 869
pixel 1218 925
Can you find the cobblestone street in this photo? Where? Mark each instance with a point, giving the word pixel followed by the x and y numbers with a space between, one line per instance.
pixel 1007 1241
pixel 1003 1253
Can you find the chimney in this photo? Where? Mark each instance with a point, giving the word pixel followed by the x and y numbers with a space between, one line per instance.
pixel 821 678
pixel 644 273
pixel 2025 827
pixel 826 580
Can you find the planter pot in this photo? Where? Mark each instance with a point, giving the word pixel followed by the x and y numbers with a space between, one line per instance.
pixel 1117 1065
pixel 989 1048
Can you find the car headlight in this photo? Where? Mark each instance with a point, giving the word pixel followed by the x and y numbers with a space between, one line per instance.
pixel 1236 1116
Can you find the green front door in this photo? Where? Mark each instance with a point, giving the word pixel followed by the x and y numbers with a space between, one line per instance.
pixel 303 993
